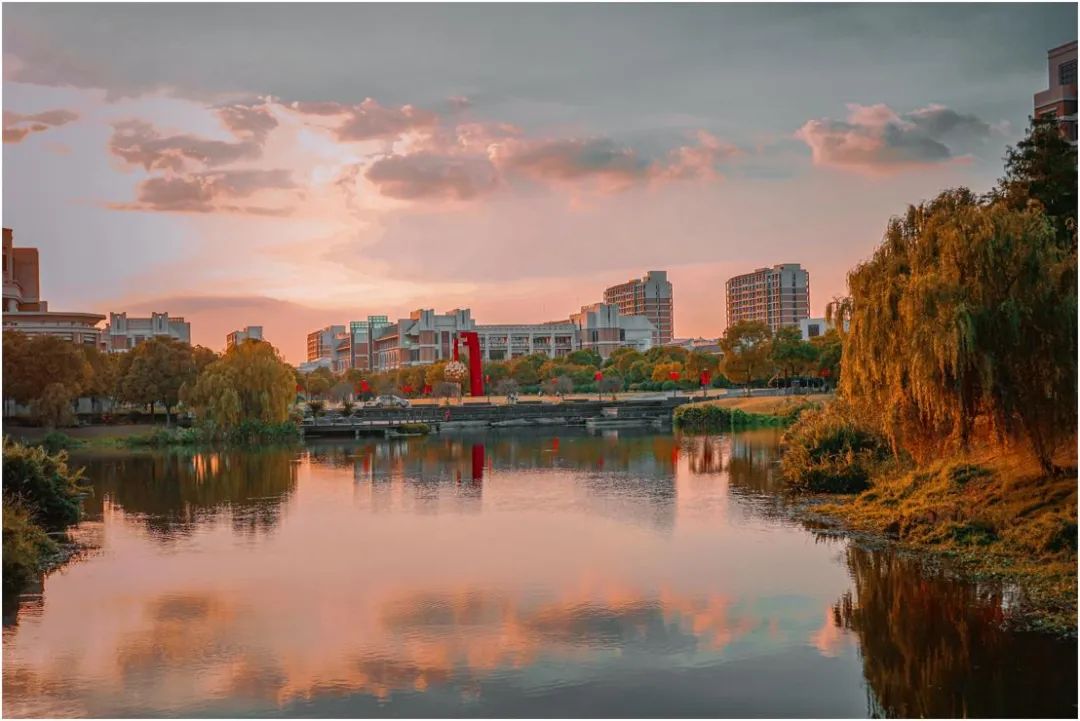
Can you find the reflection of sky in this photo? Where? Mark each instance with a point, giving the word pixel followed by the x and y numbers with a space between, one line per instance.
pixel 532 586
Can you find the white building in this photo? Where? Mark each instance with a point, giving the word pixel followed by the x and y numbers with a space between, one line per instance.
pixel 122 333
pixel 602 328
pixel 250 332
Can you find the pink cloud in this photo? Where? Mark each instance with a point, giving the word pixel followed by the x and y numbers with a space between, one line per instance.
pixel 612 166
pixel 369 120
pixel 208 192
pixel 876 139
pixel 18 126
pixel 429 175
pixel 248 121
pixel 139 143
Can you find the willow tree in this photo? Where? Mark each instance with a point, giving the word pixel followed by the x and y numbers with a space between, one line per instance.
pixel 963 324
pixel 249 383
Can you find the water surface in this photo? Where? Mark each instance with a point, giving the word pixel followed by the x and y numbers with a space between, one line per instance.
pixel 500 574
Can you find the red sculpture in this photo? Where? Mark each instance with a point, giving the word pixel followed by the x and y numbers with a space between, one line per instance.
pixel 476 363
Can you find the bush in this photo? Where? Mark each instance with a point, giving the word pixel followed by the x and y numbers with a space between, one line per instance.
pixel 57 441
pixel 827 452
pixel 41 483
pixel 421 429
pixel 713 417
pixel 25 546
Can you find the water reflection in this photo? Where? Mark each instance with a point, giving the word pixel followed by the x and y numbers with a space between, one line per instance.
pixel 172 493
pixel 508 574
pixel 932 647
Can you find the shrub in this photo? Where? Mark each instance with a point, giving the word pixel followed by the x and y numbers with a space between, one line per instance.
pixel 826 452
pixel 25 545
pixel 41 483
pixel 414 428
pixel 57 441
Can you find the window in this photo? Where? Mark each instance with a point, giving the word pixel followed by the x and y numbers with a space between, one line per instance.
pixel 1067 73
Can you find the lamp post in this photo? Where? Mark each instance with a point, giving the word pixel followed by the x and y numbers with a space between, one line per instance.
pixel 599 377
pixel 674 376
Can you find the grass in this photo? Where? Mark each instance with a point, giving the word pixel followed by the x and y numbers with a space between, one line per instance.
pixel 995 513
pixel 768 405
pixel 721 416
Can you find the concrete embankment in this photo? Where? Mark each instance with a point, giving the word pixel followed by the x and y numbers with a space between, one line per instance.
pixel 598 414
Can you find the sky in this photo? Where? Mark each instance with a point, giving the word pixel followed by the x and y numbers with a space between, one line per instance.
pixel 296 166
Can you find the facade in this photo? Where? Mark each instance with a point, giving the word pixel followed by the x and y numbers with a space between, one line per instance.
pixel 813 327
pixel 777 296
pixel 123 333
pixel 601 327
pixel 651 297
pixel 322 343
pixel 356 349
pixel 1059 99
pixel 503 342
pixel 699 345
pixel 26 312
pixel 422 338
pixel 250 332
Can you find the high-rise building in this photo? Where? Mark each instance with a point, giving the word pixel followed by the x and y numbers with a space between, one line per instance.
pixel 1059 99
pixel 651 297
pixel 777 296
pixel 251 332
pixel 123 333
pixel 26 312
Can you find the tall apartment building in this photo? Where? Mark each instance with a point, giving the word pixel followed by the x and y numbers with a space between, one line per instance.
pixel 123 333
pixel 1059 99
pixel 651 297
pixel 26 312
pixel 777 296
pixel 250 332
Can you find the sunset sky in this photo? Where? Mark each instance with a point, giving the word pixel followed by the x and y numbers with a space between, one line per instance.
pixel 296 166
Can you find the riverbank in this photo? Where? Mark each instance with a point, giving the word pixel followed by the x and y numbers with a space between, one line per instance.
pixel 993 517
pixel 742 412
pixel 152 436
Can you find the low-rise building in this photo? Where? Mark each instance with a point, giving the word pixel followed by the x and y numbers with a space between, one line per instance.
pixel 250 332
pixel 1059 99
pixel 602 328
pixel 24 310
pixel 506 341
pixel 422 338
pixel 123 333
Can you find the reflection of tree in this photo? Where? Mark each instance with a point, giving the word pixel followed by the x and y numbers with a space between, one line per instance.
pixel 704 453
pixel 174 491
pixel 934 647
pixel 752 462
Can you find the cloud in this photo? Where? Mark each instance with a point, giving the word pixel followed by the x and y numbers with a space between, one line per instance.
pixel 429 175
pixel 18 126
pixel 877 139
pixel 369 120
pixel 139 143
pixel 214 191
pixel 697 162
pixel 248 121
pixel 573 159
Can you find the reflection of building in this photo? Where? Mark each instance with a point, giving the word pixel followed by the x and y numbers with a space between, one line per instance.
pixel 123 333
pixel 602 328
pixel 1059 99
pixel 651 297
pixel 251 332
pixel 777 296
pixel 24 311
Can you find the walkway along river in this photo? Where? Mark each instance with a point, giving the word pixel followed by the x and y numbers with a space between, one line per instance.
pixel 503 572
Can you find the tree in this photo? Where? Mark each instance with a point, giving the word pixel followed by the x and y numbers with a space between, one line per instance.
pixel 697 362
pixel 559 386
pixel 33 363
pixel 790 353
pixel 318 382
pixel 1042 168
pixel 585 357
pixel 747 347
pixel 159 367
pixel 104 375
pixel 524 371
pixel 966 318
pixel 249 383
pixel 662 371
pixel 506 387
pixel 610 384
pixel 829 349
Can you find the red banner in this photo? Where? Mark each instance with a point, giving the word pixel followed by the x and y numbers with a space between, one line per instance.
pixel 365 387
pixel 674 375
pixel 598 376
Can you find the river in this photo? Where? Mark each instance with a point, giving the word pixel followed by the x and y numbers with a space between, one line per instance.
pixel 625 573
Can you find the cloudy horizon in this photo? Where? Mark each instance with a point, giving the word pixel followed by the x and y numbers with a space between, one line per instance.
pixel 300 166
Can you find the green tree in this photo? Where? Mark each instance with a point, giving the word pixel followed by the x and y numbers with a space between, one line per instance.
pixel 747 347
pixel 585 357
pixel 33 363
pixel 249 383
pixel 158 368
pixel 790 353
pixel 830 351
pixel 1042 168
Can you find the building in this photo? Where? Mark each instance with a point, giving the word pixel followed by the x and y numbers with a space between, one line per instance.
pixel 322 343
pixel 503 342
pixel 651 297
pixel 699 345
pixel 356 349
pixel 123 333
pixel 602 328
pixel 250 332
pixel 1059 99
pixel 422 338
pixel 26 312
pixel 814 327
pixel 777 296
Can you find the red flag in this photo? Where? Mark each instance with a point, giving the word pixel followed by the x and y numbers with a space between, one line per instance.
pixel 598 376
pixel 706 377
pixel 427 389
pixel 365 386
pixel 406 389
pixel 674 375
